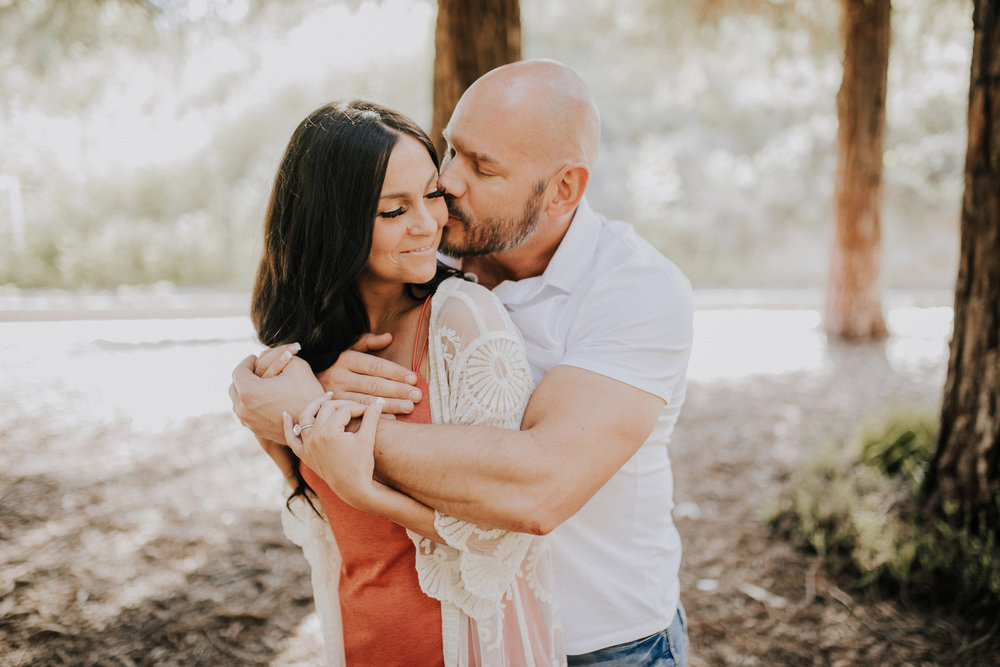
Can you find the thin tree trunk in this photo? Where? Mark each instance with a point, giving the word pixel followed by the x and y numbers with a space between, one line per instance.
pixel 965 471
pixel 472 37
pixel 854 305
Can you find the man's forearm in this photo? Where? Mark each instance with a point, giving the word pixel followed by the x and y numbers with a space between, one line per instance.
pixel 530 480
pixel 489 476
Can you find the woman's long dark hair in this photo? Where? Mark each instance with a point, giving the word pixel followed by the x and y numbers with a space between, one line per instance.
pixel 318 230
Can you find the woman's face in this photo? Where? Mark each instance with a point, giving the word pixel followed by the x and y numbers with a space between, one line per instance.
pixel 411 215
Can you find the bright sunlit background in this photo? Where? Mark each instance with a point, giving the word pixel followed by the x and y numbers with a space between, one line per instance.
pixel 138 142
pixel 138 145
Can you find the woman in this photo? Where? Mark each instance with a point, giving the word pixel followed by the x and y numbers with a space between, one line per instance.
pixel 350 245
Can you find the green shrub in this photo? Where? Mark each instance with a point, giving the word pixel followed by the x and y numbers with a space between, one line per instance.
pixel 857 507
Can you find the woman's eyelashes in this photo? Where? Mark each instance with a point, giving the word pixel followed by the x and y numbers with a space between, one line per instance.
pixel 393 214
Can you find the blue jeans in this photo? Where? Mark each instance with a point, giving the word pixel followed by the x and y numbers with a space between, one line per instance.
pixel 664 649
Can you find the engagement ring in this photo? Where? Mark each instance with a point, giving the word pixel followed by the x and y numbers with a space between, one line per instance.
pixel 298 428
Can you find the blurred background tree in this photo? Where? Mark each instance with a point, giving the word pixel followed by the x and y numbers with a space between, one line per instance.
pixel 471 37
pixel 915 502
pixel 144 134
pixel 854 295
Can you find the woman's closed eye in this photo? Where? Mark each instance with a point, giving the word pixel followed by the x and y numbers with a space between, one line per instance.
pixel 395 213
pixel 434 195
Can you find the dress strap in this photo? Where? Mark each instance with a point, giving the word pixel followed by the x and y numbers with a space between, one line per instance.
pixel 417 341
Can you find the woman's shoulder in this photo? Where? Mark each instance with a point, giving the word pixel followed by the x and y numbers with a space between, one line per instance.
pixel 455 288
pixel 458 303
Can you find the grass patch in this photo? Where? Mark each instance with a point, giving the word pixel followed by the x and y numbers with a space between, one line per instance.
pixel 856 505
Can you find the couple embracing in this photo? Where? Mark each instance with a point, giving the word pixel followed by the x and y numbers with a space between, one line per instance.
pixel 477 448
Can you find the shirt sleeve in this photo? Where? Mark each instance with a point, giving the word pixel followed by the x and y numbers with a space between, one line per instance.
pixel 635 325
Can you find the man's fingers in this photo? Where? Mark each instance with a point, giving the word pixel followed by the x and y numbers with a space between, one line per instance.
pixel 367 364
pixel 370 342
pixel 369 423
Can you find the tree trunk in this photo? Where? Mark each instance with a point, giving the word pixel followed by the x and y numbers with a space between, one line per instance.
pixel 965 471
pixel 472 37
pixel 854 305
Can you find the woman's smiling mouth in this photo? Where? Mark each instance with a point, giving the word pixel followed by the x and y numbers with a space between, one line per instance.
pixel 421 250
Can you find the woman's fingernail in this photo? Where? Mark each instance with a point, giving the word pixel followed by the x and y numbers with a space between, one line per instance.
pixel 296 347
pixel 411 379
pixel 286 355
pixel 415 395
pixel 284 415
pixel 380 402
pixel 329 394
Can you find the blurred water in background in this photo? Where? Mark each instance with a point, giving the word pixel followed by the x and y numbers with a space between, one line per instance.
pixel 153 373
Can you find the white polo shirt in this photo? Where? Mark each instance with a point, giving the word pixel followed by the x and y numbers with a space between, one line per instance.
pixel 610 303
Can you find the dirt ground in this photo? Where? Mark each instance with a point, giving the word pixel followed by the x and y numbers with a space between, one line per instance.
pixel 124 546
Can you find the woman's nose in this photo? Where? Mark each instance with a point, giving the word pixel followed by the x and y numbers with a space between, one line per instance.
pixel 425 222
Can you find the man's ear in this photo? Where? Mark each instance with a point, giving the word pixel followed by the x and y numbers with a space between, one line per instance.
pixel 570 183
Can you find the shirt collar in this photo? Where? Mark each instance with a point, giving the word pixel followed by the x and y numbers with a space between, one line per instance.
pixel 575 251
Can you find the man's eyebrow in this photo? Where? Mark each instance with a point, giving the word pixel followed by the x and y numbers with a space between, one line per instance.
pixel 478 157
pixel 483 157
pixel 404 195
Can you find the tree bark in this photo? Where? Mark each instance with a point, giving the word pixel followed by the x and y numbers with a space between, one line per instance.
pixel 965 471
pixel 854 304
pixel 472 37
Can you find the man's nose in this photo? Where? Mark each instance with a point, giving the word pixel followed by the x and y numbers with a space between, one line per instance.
pixel 449 180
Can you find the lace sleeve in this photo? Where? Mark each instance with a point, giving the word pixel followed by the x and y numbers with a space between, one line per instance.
pixel 493 584
pixel 481 372
pixel 479 375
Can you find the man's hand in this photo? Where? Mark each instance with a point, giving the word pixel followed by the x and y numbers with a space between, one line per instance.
pixel 361 377
pixel 259 402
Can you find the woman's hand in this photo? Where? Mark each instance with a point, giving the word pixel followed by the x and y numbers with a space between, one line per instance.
pixel 273 360
pixel 344 460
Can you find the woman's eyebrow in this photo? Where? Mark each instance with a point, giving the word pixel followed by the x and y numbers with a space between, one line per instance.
pixel 404 195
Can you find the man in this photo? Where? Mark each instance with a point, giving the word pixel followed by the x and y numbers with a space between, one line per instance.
pixel 608 326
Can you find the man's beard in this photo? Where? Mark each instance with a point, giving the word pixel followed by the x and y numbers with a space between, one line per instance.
pixel 491 235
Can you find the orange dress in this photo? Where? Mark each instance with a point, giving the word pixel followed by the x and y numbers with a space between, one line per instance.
pixel 387 619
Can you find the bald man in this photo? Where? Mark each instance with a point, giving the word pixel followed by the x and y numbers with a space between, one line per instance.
pixel 608 325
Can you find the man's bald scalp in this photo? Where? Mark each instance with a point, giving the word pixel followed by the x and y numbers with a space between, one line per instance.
pixel 555 96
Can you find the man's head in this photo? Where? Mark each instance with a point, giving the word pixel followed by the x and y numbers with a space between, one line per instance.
pixel 521 143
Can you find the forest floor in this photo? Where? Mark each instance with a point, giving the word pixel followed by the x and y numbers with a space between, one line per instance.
pixel 133 540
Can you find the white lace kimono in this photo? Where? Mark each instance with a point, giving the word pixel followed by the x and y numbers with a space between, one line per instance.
pixel 495 586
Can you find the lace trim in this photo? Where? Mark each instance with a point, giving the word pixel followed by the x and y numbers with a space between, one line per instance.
pixel 305 528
